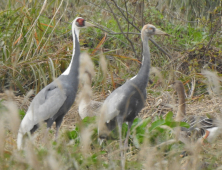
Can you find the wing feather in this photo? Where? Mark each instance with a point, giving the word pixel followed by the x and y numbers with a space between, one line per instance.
pixel 47 103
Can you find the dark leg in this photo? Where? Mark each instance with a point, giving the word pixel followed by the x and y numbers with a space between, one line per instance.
pixel 35 127
pixel 49 122
pixel 127 136
pixel 58 124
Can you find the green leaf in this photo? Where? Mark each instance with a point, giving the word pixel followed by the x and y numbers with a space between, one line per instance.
pixel 135 123
pixel 94 158
pixel 171 124
pixel 89 120
pixel 184 124
pixel 73 134
pixel 146 122
pixel 169 117
pixel 103 152
pixel 141 129
pixel 124 129
pixel 174 124
pixel 22 114
pixel 156 124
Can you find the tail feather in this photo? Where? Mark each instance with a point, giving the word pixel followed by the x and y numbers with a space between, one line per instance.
pixel 25 126
pixel 19 141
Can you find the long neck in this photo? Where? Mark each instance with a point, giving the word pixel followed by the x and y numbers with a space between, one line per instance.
pixel 181 112
pixel 73 69
pixel 143 74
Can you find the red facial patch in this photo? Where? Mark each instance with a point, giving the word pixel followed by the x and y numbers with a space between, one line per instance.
pixel 80 21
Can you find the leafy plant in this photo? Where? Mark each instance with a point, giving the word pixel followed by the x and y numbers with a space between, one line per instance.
pixel 22 114
pixel 168 121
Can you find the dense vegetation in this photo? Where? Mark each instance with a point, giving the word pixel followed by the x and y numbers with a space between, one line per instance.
pixel 36 46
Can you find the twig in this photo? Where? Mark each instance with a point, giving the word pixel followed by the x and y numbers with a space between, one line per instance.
pixel 125 16
pixel 121 28
pixel 96 5
pixel 117 33
pixel 171 15
pixel 160 48
pixel 211 39
pixel 193 83
pixel 142 12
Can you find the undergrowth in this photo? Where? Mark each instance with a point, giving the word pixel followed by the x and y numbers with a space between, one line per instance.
pixel 36 47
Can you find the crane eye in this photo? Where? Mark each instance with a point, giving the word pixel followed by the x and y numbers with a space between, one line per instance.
pixel 152 29
pixel 80 22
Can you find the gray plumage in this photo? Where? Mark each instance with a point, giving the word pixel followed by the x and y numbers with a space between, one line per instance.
pixel 124 103
pixel 54 101
pixel 88 107
pixel 200 126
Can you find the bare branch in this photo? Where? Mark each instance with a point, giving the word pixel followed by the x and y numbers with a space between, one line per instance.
pixel 117 33
pixel 121 28
pixel 142 13
pixel 120 9
pixel 160 48
pixel 98 6
pixel 211 39
pixel 125 3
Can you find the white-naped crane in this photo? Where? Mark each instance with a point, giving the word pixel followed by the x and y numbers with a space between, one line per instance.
pixel 124 103
pixel 54 100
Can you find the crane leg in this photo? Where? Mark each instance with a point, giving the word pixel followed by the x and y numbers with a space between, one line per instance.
pixel 58 124
pixel 35 127
pixel 121 145
pixel 127 136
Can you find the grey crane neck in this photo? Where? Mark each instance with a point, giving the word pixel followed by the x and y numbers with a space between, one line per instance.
pixel 73 69
pixel 143 74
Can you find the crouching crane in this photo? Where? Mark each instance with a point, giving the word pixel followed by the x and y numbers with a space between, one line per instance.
pixel 201 127
pixel 54 101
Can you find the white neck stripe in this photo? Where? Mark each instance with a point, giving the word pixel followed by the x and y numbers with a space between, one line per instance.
pixel 75 30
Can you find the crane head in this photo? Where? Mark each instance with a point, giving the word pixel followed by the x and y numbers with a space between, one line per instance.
pixel 82 23
pixel 150 30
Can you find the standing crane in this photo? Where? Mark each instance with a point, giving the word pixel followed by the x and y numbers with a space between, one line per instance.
pixel 124 103
pixel 54 100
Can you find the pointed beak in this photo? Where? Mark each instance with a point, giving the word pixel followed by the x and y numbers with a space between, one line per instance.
pixel 159 32
pixel 88 24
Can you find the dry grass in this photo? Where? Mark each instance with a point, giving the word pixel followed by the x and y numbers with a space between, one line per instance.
pixel 31 62
pixel 208 155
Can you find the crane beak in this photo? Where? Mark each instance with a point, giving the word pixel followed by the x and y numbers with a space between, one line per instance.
pixel 88 24
pixel 159 32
